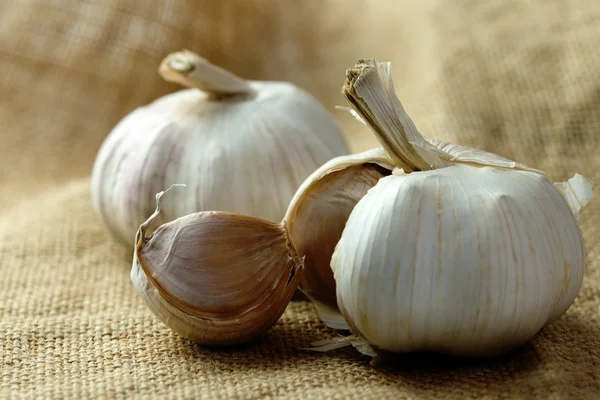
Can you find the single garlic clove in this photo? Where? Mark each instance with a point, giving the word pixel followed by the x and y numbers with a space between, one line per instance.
pixel 216 278
pixel 317 216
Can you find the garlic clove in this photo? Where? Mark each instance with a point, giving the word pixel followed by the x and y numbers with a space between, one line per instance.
pixel 317 216
pixel 216 278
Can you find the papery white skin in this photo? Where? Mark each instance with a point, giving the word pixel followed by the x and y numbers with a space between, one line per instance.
pixel 470 261
pixel 245 154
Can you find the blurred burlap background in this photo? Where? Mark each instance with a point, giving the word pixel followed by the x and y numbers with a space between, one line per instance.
pixel 516 77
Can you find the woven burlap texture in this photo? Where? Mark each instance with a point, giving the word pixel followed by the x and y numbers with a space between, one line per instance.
pixel 516 77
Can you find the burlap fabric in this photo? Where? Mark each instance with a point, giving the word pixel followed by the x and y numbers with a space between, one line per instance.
pixel 516 77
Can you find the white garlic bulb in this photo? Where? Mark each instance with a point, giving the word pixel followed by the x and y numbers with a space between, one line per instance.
pixel 240 146
pixel 470 271
pixel 457 251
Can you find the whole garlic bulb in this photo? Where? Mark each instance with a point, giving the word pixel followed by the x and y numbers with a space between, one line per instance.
pixel 240 146
pixel 472 271
pixel 444 249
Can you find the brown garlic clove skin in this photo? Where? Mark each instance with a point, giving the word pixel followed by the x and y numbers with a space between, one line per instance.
pixel 317 217
pixel 320 221
pixel 217 278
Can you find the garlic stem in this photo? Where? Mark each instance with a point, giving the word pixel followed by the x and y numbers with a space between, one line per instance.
pixel 190 70
pixel 370 91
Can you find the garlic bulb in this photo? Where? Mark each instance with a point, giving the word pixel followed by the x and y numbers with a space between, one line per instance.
pixel 240 146
pixel 214 277
pixel 453 250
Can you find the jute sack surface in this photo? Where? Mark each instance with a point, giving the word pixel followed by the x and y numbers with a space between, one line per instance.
pixel 519 78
